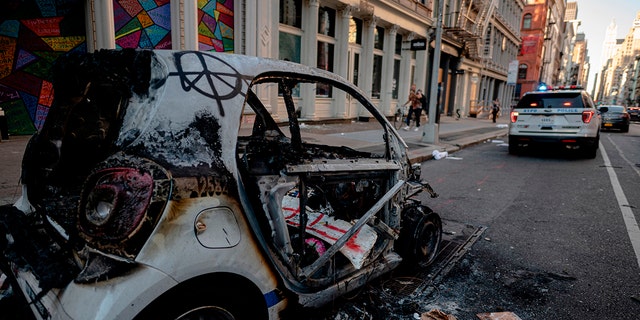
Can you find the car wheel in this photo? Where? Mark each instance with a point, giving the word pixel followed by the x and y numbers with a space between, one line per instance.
pixel 207 313
pixel 590 151
pixel 420 236
pixel 513 147
pixel 202 298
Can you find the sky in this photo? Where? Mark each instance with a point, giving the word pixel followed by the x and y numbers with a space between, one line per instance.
pixel 596 15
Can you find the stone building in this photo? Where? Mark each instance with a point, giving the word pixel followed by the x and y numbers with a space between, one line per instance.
pixel 543 34
pixel 383 46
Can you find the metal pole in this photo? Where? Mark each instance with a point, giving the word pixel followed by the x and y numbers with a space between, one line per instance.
pixel 430 133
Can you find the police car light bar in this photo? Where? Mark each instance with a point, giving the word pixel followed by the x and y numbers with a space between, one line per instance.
pixel 544 87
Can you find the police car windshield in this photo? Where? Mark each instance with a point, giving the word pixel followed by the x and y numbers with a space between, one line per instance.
pixel 551 100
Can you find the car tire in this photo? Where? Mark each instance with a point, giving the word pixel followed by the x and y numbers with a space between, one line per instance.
pixel 513 147
pixel 420 236
pixel 202 299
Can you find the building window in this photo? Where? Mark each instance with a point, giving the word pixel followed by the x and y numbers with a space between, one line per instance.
pixel 291 13
pixel 289 47
pixel 326 43
pixel 522 71
pixel 377 76
pixel 378 40
pixel 327 21
pixel 396 77
pixel 355 31
pixel 398 44
pixel 526 21
pixel 325 62
pixel 290 35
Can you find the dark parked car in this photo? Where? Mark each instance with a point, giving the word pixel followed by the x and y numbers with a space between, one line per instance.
pixel 149 199
pixel 614 117
pixel 634 113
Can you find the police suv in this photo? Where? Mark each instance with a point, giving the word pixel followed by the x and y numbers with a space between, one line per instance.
pixel 564 116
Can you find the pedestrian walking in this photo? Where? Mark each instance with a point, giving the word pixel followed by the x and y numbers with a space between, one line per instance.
pixel 495 108
pixel 415 108
pixel 423 102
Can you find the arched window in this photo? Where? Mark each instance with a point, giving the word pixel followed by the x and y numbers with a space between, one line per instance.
pixel 526 21
pixel 522 71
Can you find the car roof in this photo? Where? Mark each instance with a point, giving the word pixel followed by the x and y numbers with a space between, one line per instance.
pixel 612 106
pixel 180 108
pixel 554 91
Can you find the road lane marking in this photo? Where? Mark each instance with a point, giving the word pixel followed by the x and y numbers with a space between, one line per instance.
pixel 627 214
pixel 634 167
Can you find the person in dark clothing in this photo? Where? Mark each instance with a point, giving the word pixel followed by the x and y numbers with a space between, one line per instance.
pixel 495 108
pixel 423 101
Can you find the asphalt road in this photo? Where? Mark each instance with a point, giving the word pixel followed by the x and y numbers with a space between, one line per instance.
pixel 557 244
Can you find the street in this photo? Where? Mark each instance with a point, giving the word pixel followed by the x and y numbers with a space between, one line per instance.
pixel 554 237
pixel 556 244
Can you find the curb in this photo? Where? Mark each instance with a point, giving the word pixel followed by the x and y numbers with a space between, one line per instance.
pixel 426 153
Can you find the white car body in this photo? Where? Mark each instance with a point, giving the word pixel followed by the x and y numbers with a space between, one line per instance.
pixel 151 200
pixel 555 117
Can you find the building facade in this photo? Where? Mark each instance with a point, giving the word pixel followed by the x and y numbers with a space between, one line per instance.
pixel 374 44
pixel 543 38
pixel 487 35
pixel 618 82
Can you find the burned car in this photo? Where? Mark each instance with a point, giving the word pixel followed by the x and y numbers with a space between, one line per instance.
pixel 162 186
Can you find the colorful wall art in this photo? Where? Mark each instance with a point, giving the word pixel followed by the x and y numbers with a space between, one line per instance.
pixel 33 33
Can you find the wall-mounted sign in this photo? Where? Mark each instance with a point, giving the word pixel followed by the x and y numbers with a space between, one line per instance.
pixel 418 44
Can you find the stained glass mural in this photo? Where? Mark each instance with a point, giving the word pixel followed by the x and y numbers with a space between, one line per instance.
pixel 33 33
pixel 215 25
pixel 142 24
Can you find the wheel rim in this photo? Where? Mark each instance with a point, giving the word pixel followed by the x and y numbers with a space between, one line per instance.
pixel 207 313
pixel 428 241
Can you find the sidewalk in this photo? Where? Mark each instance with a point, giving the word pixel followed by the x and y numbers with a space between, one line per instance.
pixel 454 134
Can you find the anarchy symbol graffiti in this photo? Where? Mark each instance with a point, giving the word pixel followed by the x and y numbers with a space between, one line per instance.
pixel 222 84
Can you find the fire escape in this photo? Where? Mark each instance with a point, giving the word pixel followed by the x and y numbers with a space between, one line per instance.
pixel 471 27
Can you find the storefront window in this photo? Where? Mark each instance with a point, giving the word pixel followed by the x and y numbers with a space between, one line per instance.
pixel 325 62
pixel 396 77
pixel 289 47
pixel 377 76
pixel 290 51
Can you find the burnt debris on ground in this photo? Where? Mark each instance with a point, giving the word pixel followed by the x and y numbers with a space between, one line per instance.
pixel 406 292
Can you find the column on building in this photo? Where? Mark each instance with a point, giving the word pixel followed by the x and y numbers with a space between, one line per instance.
pixel 309 57
pixel 184 26
pixel 405 71
pixel 104 31
pixel 366 76
pixel 422 66
pixel 342 58
pixel 387 82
